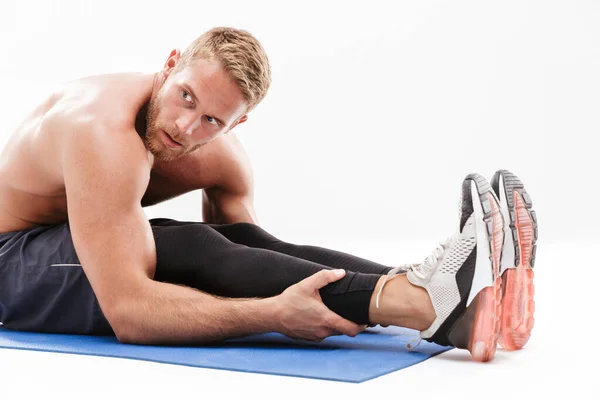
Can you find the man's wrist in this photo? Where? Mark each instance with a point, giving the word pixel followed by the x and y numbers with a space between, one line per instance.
pixel 268 311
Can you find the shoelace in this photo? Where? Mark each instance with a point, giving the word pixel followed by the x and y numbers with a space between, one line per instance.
pixel 409 345
pixel 426 267
pixel 420 270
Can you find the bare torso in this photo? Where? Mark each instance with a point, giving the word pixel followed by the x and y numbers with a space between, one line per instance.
pixel 32 189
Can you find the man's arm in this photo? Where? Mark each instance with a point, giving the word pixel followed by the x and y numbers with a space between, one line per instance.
pixel 228 205
pixel 106 175
pixel 231 199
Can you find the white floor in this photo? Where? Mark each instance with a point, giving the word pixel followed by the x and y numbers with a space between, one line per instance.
pixel 560 359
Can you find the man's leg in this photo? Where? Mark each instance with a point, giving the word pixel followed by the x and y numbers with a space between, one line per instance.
pixel 252 235
pixel 43 287
pixel 197 255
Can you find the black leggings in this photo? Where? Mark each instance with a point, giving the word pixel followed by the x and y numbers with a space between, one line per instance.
pixel 242 260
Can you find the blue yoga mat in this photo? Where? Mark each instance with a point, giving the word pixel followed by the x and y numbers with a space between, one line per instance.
pixel 373 353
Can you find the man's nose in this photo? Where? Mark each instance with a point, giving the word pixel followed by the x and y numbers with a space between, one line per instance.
pixel 189 125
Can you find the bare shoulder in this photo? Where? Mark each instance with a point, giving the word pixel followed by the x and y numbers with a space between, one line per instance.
pixel 111 100
pixel 93 156
pixel 31 157
pixel 90 107
pixel 108 101
pixel 91 118
pixel 85 129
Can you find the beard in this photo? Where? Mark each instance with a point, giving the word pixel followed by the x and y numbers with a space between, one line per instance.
pixel 152 138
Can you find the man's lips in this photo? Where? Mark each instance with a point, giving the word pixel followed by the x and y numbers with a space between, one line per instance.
pixel 173 141
pixel 179 143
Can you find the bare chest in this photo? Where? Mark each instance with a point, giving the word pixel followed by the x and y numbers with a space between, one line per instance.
pixel 33 196
pixel 174 179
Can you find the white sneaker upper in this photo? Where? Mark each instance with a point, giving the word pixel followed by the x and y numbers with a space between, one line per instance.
pixel 437 274
pixel 460 267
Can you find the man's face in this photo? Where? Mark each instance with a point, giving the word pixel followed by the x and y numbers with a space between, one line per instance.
pixel 192 107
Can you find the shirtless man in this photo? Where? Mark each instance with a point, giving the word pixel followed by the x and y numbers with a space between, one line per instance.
pixel 78 255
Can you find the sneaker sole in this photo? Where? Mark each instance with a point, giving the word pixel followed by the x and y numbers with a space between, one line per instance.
pixel 518 305
pixel 480 323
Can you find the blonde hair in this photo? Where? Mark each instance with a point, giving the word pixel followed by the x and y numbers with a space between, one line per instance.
pixel 241 56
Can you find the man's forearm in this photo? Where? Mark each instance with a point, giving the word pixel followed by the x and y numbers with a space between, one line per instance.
pixel 163 313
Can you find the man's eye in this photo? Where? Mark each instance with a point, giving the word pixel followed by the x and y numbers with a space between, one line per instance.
pixel 186 96
pixel 211 120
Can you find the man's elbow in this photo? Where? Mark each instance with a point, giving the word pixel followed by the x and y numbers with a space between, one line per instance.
pixel 130 337
pixel 120 320
pixel 121 315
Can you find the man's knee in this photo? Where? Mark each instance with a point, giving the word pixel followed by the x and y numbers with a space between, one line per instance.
pixel 250 232
pixel 250 228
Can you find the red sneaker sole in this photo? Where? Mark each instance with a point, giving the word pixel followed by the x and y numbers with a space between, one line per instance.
pixel 518 305
pixel 484 336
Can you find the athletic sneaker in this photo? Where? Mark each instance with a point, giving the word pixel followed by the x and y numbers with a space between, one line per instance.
pixel 462 275
pixel 516 264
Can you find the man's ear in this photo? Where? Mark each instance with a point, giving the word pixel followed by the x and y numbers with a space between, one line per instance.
pixel 241 120
pixel 171 62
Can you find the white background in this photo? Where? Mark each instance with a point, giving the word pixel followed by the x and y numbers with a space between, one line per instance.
pixel 377 109
pixel 376 113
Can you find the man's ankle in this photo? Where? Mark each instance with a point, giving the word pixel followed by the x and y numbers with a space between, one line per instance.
pixel 402 304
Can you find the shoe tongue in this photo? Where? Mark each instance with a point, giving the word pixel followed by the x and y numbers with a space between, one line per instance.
pixel 400 269
pixel 412 278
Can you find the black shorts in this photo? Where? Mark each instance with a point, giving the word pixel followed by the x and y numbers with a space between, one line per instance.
pixel 43 287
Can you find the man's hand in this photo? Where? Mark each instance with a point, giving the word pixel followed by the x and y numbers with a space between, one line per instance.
pixel 303 315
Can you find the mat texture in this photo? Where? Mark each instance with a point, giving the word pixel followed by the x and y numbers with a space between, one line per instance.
pixel 373 353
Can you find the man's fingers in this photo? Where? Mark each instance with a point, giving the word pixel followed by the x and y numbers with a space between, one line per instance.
pixel 361 329
pixel 324 277
pixel 344 326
